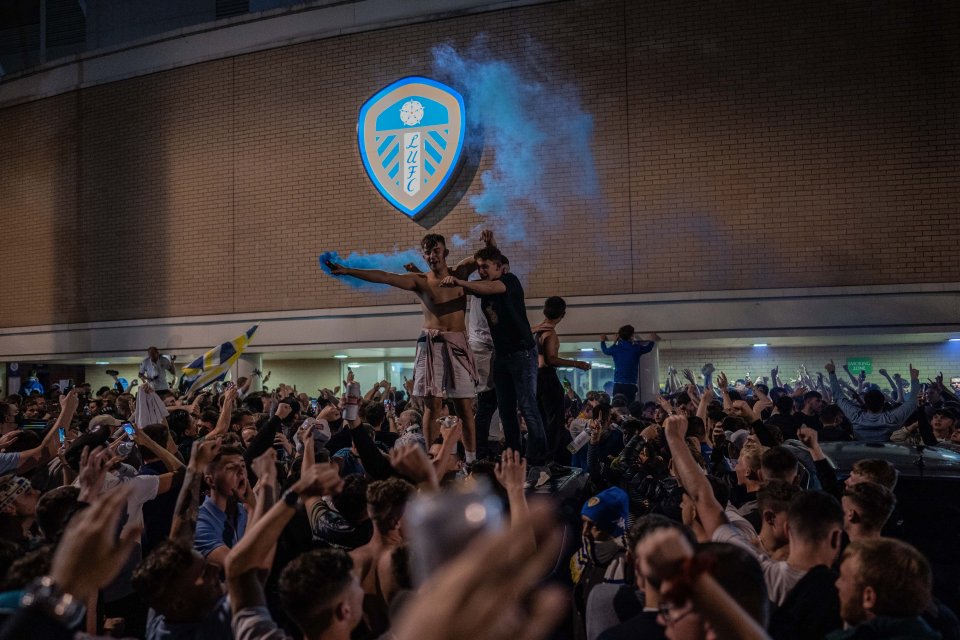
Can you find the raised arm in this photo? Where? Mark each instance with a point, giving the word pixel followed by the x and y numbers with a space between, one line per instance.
pixel 607 351
pixel 662 557
pixel 854 379
pixel 170 461
pixel 691 475
pixel 375 393
pixel 945 390
pixel 257 544
pixel 511 473
pixel 242 390
pixel 723 384
pixel 849 409
pixel 265 491
pixel 188 502
pixel 825 471
pixel 705 399
pixel 469 264
pixel 49 445
pixel 226 412
pixel 406 281
pixel 901 413
pixel 895 390
pixel 308 463
pixel 446 460
pixel 411 462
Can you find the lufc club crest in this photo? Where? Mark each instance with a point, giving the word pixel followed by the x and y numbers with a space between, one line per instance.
pixel 411 138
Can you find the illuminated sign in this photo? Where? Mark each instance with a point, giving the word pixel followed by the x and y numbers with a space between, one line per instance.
pixel 411 141
pixel 856 365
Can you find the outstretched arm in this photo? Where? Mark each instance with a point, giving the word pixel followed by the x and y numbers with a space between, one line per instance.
pixel 476 287
pixel 406 281
pixel 551 350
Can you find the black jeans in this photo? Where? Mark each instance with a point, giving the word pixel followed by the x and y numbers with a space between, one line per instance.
pixel 629 390
pixel 515 381
pixel 486 407
pixel 550 403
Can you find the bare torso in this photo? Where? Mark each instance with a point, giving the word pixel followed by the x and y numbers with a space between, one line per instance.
pixel 444 308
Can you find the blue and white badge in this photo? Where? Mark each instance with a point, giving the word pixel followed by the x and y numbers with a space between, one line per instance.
pixel 411 142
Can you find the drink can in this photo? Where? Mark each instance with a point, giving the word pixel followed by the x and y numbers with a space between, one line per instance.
pixel 351 405
pixel 578 443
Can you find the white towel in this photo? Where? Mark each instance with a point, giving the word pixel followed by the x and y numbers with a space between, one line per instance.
pixel 150 408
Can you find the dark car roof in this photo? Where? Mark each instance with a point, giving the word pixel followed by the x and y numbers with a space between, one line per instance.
pixel 910 461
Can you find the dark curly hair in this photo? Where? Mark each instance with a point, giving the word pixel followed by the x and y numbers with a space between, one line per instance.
pixel 310 584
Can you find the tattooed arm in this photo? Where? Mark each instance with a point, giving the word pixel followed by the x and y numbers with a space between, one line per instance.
pixel 188 502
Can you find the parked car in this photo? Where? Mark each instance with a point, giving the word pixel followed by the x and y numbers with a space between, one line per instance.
pixel 928 503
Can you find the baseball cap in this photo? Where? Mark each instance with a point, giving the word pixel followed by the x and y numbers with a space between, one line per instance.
pixel 104 420
pixel 609 510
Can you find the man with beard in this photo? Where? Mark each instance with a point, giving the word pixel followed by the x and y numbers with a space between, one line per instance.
pixel 884 586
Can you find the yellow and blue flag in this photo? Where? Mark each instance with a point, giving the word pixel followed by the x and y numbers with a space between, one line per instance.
pixel 214 364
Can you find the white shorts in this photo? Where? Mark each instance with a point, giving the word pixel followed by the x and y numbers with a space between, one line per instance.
pixel 443 366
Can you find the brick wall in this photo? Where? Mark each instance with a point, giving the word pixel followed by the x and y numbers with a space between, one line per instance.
pixel 738 146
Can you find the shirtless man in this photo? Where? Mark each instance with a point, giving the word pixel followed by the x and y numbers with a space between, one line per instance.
pixel 386 502
pixel 443 365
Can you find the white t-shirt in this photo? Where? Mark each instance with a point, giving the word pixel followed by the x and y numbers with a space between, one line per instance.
pixel 478 331
pixel 738 521
pixel 255 623
pixel 780 577
pixel 145 489
pixel 156 372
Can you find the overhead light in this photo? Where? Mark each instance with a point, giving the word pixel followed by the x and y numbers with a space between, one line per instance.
pixel 340 356
pixel 760 344
pixel 353 364
pixel 587 350
pixel 953 339
pixel 101 362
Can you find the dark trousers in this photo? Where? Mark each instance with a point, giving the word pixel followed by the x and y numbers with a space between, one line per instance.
pixel 515 381
pixel 550 403
pixel 486 407
pixel 629 390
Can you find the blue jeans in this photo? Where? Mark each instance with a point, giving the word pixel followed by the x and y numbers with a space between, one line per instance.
pixel 515 381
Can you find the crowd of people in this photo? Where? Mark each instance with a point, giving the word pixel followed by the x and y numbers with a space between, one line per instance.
pixel 485 498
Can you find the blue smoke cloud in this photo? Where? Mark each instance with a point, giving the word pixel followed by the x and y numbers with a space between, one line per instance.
pixel 537 131
pixel 393 262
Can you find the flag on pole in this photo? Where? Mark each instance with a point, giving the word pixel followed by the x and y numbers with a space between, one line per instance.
pixel 214 364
